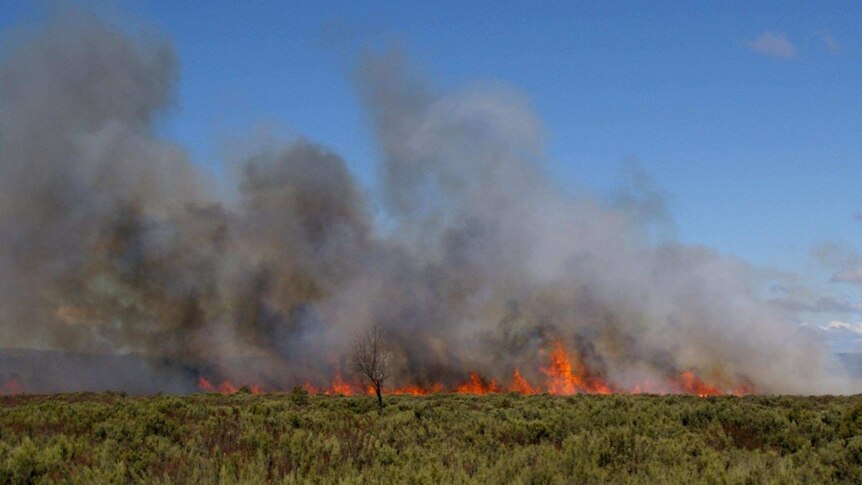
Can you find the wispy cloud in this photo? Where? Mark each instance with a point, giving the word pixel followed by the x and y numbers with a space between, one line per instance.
pixel 836 256
pixel 842 259
pixel 773 44
pixel 853 276
pixel 829 43
pixel 824 304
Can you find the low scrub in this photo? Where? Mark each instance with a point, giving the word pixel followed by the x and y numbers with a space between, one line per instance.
pixel 501 438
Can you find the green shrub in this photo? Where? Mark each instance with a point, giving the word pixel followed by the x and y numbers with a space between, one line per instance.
pixel 297 437
pixel 299 396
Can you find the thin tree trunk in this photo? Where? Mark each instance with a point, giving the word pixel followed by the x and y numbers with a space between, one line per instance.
pixel 378 390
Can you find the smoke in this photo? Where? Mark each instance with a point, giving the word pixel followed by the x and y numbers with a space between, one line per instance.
pixel 112 240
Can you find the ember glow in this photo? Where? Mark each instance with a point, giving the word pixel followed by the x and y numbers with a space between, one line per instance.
pixel 11 387
pixel 225 387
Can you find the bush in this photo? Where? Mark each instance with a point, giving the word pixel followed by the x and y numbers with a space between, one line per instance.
pixel 299 396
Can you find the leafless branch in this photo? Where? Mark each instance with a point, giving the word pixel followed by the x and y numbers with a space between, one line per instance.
pixel 371 359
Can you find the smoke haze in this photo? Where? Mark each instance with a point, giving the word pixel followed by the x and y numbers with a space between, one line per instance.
pixel 113 241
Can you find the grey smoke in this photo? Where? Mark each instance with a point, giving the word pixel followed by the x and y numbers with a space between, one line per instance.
pixel 112 240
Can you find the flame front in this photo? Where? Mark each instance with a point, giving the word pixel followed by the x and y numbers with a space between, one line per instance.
pixel 412 390
pixel 565 374
pixel 340 386
pixel 225 387
pixel 476 385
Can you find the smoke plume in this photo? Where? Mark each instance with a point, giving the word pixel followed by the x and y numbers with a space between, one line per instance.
pixel 113 241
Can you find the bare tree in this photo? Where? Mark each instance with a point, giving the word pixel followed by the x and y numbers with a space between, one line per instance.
pixel 371 359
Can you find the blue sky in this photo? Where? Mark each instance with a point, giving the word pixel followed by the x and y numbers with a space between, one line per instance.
pixel 749 117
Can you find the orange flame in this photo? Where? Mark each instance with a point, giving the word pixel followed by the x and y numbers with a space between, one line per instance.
pixel 205 385
pixel 691 384
pixel 477 386
pixel 566 379
pixel 520 385
pixel 227 388
pixel 339 386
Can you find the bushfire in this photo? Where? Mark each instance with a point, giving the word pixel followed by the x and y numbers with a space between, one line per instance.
pixel 565 374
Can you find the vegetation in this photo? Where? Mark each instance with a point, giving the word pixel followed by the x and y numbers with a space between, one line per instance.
pixel 502 438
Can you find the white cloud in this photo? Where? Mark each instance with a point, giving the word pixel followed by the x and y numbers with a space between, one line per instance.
pixel 844 327
pixel 773 45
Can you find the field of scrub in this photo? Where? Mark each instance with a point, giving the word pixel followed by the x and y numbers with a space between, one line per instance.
pixel 499 438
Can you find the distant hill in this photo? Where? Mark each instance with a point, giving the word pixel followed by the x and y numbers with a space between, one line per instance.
pixel 48 371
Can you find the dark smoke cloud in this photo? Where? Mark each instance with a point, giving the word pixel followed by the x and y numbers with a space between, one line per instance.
pixel 111 240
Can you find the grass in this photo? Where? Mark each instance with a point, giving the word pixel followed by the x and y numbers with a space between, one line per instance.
pixel 501 438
